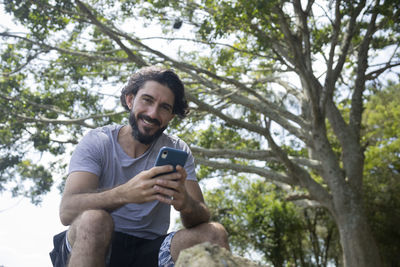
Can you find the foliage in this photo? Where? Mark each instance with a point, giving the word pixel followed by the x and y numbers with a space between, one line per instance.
pixel 382 170
pixel 259 220
pixel 277 88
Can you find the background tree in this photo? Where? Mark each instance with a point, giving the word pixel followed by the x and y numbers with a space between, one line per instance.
pixel 262 225
pixel 382 170
pixel 277 72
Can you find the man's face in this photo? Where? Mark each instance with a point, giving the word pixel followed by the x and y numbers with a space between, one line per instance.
pixel 151 111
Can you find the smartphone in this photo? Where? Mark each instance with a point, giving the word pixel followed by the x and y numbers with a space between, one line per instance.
pixel 171 156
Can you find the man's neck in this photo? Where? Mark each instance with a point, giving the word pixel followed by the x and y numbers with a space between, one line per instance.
pixel 129 144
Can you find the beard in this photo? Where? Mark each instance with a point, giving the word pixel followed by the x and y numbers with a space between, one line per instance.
pixel 144 137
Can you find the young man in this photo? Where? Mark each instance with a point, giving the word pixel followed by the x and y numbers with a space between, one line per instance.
pixel 117 211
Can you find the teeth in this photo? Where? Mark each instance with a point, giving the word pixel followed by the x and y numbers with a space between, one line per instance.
pixel 148 122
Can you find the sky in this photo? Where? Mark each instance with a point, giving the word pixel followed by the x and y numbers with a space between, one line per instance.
pixel 26 230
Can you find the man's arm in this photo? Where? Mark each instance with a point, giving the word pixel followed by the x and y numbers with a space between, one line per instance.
pixel 81 193
pixel 185 196
pixel 195 211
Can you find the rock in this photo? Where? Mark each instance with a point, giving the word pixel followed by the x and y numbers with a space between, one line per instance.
pixel 211 255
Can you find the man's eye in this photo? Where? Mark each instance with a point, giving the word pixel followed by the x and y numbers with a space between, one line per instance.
pixel 167 108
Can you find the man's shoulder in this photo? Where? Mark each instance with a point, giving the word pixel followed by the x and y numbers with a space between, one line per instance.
pixel 102 134
pixel 105 130
pixel 169 139
pixel 172 141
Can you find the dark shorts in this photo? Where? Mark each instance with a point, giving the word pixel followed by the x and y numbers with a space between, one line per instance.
pixel 126 250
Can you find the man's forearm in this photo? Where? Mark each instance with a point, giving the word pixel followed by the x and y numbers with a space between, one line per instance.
pixel 74 204
pixel 194 214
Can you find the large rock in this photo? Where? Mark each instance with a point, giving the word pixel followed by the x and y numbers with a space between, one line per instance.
pixel 211 255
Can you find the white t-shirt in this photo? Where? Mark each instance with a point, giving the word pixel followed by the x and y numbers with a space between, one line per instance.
pixel 99 152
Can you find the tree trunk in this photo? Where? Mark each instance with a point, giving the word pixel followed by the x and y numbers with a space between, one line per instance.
pixel 358 244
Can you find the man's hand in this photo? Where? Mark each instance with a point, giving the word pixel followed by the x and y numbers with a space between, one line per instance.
pixel 171 189
pixel 80 192
pixel 185 196
pixel 143 187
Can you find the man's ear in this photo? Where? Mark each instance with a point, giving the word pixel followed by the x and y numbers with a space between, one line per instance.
pixel 129 100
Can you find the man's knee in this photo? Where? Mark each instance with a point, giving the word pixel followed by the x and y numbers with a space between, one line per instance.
pixel 95 225
pixel 216 233
pixel 96 221
pixel 212 232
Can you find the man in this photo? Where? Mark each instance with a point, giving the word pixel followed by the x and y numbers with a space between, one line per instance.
pixel 117 211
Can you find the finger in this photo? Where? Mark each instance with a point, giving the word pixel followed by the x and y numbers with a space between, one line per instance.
pixel 167 191
pixel 155 171
pixel 173 176
pixel 149 194
pixel 172 182
pixel 182 171
pixel 165 199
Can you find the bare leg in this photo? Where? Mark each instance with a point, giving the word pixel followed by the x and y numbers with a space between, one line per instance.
pixel 90 236
pixel 212 232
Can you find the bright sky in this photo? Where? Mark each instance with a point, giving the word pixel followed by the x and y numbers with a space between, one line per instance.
pixel 26 230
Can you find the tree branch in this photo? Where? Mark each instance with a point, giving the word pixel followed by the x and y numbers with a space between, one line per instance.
pixel 374 74
pixel 269 175
pixel 218 113
pixel 330 74
pixel 66 51
pixel 42 106
pixel 135 58
pixel 362 65
pixel 78 121
pixel 268 110
pixel 353 158
pixel 292 41
pixel 304 31
pixel 261 155
pixel 232 153
pixel 301 176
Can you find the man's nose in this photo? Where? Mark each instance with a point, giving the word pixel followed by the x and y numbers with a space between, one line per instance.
pixel 153 112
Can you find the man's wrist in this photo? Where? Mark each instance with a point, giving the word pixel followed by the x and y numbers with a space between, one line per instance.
pixel 188 206
pixel 194 213
pixel 119 195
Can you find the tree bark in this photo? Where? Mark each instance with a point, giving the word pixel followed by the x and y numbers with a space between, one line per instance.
pixel 358 245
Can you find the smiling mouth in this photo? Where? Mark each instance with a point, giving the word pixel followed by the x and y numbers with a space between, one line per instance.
pixel 149 121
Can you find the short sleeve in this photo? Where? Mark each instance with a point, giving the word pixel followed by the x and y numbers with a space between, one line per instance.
pixel 88 154
pixel 190 166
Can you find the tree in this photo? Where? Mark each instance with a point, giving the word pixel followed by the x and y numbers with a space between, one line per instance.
pixel 278 72
pixel 382 170
pixel 239 202
pixel 260 221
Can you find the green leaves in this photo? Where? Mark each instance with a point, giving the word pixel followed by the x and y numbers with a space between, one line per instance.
pixel 257 217
pixel 382 120
pixel 39 177
pixel 47 97
pixel 224 137
pixel 382 168
pixel 40 17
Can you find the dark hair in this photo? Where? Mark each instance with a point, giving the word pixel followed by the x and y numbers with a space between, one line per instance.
pixel 163 76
